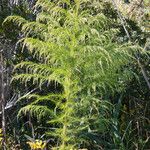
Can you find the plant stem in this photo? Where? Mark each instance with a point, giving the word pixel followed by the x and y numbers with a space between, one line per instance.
pixel 67 91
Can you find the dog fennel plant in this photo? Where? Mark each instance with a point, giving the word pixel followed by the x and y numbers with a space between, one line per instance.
pixel 75 47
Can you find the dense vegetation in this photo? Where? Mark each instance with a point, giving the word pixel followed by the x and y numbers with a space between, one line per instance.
pixel 74 74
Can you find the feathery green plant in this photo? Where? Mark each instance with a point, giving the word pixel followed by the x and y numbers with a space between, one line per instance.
pixel 76 48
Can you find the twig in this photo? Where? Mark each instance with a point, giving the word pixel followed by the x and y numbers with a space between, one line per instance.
pixel 15 99
pixel 2 101
pixel 144 74
pixel 128 35
pixel 121 19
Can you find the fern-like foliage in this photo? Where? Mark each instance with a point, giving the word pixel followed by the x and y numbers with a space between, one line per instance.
pixel 76 48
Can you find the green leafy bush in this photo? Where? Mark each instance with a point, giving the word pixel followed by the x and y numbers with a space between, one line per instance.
pixel 74 47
